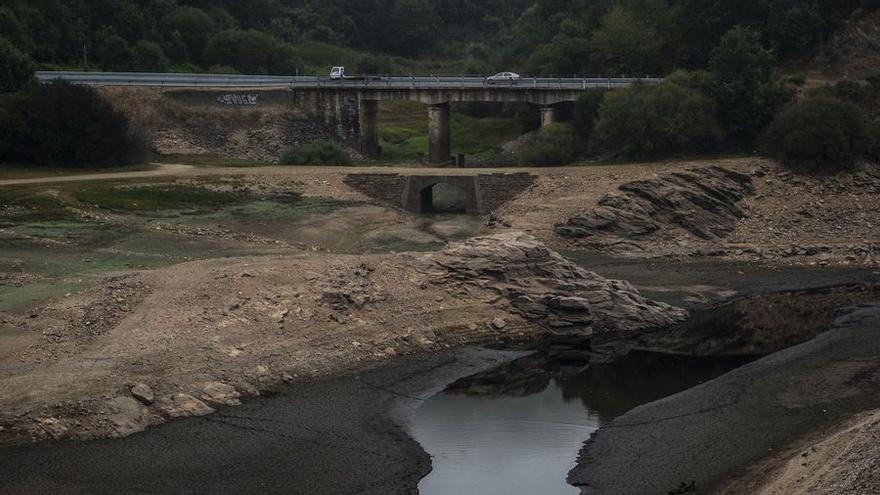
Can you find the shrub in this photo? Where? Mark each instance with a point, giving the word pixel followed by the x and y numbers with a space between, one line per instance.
pixel 821 132
pixel 874 141
pixel 554 145
pixel 584 113
pixel 65 125
pixel 650 121
pixel 16 69
pixel 852 91
pixel 320 153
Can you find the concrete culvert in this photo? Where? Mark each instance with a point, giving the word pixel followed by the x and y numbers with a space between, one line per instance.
pixel 444 198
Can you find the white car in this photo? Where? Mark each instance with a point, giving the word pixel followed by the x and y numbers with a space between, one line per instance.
pixel 511 77
pixel 337 73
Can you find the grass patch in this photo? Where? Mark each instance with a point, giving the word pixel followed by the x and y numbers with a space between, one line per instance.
pixel 209 160
pixel 403 132
pixel 26 204
pixel 399 135
pixel 156 197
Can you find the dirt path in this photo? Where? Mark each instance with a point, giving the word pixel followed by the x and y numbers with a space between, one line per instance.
pixel 178 170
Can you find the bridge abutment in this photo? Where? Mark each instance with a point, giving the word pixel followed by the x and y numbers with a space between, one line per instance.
pixel 439 133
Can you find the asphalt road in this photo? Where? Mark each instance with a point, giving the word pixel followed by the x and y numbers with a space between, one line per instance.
pixel 714 432
pixel 312 82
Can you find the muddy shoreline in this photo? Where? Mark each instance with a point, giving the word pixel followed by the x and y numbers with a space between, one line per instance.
pixel 712 435
pixel 344 436
pixel 362 447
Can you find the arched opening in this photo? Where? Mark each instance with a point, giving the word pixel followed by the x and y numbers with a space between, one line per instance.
pixel 443 198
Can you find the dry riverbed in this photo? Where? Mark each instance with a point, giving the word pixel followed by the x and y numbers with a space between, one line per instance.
pixel 142 348
pixel 129 301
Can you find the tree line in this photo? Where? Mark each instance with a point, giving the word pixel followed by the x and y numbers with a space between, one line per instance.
pixel 544 37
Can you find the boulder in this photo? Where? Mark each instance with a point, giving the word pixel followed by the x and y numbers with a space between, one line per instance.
pixel 129 416
pixel 184 405
pixel 143 393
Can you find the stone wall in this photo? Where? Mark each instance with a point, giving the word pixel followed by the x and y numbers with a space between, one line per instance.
pixel 484 193
pixel 385 188
pixel 497 189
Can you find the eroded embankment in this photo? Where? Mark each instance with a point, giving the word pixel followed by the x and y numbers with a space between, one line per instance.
pixel 148 347
pixel 704 438
pixel 735 209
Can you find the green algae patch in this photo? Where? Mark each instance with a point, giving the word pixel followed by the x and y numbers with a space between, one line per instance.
pixel 157 197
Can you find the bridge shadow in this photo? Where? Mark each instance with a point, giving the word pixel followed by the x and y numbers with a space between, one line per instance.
pixel 443 198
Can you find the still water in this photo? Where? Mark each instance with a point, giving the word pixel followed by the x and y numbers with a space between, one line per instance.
pixel 521 435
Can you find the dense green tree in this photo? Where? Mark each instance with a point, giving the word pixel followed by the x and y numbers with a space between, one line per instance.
pixel 16 69
pixel 650 121
pixel 113 52
pixel 746 87
pixel 819 132
pixel 148 56
pixel 66 125
pixel 195 28
pixel 629 41
pixel 252 52
pixel 13 30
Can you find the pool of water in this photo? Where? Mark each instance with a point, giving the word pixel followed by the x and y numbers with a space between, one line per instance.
pixel 518 431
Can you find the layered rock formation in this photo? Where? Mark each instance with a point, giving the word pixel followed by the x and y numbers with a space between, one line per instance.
pixel 543 287
pixel 702 202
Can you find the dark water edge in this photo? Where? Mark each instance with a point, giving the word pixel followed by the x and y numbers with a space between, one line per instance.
pixel 517 430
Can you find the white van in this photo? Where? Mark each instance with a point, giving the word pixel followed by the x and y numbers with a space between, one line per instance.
pixel 337 73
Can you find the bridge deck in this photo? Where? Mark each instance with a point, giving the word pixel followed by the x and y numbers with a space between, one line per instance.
pixel 313 82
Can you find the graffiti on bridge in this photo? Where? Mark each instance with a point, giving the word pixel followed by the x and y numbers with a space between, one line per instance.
pixel 237 100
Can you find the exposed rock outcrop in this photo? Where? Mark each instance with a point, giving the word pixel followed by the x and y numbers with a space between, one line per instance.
pixel 208 334
pixel 543 287
pixel 703 202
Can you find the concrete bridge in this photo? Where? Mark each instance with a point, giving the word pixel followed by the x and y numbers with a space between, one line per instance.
pixel 440 92
pixel 470 194
pixel 351 105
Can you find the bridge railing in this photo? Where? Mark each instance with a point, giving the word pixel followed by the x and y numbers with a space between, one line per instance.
pixel 313 82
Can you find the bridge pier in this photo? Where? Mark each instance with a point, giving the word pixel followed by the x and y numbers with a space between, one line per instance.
pixel 439 133
pixel 548 116
pixel 368 114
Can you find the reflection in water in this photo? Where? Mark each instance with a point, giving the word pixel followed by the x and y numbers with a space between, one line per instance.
pixel 507 441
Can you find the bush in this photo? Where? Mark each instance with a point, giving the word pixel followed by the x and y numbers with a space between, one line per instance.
pixel 820 132
pixel 874 142
pixel 649 121
pixel 554 145
pixel 584 113
pixel 69 126
pixel 16 69
pixel 321 153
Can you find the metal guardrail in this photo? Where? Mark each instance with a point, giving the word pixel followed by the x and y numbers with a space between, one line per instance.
pixel 171 80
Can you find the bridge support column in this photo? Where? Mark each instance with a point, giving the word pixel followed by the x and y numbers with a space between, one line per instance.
pixel 368 113
pixel 439 133
pixel 548 116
